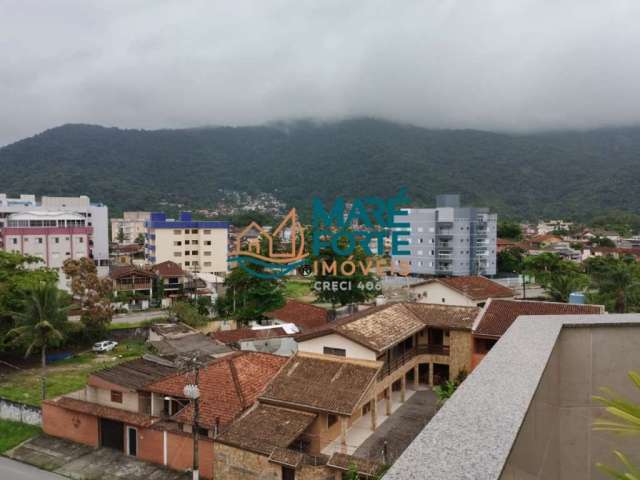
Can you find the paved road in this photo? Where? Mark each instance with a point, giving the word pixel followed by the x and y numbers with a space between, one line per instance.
pixel 130 317
pixel 10 469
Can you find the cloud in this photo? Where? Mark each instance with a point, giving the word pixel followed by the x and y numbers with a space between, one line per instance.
pixel 492 64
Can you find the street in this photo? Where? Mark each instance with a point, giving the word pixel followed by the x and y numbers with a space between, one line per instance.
pixel 10 469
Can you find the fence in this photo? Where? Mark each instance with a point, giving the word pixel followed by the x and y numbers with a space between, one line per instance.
pixel 19 412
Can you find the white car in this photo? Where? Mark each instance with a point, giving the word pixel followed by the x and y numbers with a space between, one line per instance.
pixel 104 346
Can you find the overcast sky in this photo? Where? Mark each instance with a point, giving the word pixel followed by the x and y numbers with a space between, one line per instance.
pixel 494 65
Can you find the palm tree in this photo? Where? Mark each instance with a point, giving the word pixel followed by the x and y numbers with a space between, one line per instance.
pixel 40 323
pixel 626 421
pixel 616 279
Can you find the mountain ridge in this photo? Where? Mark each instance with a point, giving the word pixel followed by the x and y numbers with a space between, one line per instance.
pixel 572 173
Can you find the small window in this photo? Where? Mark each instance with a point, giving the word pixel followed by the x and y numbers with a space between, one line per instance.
pixel 187 264
pixel 194 252
pixel 339 352
pixel 81 240
pixel 39 240
pixel 443 300
pixel 116 397
pixel 194 242
pixel 207 232
pixel 207 264
pixel 56 239
pixel 15 241
pixel 177 254
pixel 177 232
pixel 194 231
pixel 207 242
pixel 177 243
pixel 187 252
pixel 187 242
pixel 207 254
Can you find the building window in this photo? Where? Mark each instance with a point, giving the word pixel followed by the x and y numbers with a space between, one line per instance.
pixel 177 243
pixel 39 240
pixel 207 254
pixel 186 231
pixel 194 252
pixel 116 397
pixel 187 252
pixel 15 241
pixel 80 239
pixel 207 242
pixel 177 232
pixel 56 239
pixel 194 242
pixel 443 300
pixel 339 352
pixel 194 231
pixel 207 264
pixel 207 232
pixel 331 420
pixel 177 254
pixel 187 242
pixel 186 264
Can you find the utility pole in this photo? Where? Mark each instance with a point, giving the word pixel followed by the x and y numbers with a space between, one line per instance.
pixel 192 392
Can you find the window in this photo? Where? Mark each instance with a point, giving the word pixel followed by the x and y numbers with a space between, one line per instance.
pixel 207 264
pixel 187 242
pixel 207 242
pixel 194 252
pixel 207 254
pixel 186 264
pixel 207 232
pixel 81 240
pixel 177 243
pixel 186 231
pixel 116 397
pixel 194 231
pixel 39 240
pixel 187 252
pixel 331 420
pixel 56 239
pixel 15 241
pixel 194 242
pixel 339 352
pixel 443 300
pixel 177 232
pixel 177 254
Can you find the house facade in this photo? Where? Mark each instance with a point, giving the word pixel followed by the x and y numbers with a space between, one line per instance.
pixel 466 291
pixel 196 246
pixel 127 229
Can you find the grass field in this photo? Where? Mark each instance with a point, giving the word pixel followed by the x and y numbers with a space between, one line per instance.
pixel 297 288
pixel 14 433
pixel 64 376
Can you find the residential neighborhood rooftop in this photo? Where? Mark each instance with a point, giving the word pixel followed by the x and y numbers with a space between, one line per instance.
pixel 134 374
pixel 498 315
pixel 168 269
pixel 321 383
pixel 228 386
pixel 265 428
pixel 475 287
pixel 304 315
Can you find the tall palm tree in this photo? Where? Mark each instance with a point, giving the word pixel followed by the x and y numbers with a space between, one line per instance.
pixel 40 323
pixel 616 279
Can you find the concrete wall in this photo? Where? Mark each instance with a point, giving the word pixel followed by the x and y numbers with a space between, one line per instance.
pixel 19 412
pixel 102 396
pixel 354 350
pixel 73 426
pixel 556 440
pixel 435 293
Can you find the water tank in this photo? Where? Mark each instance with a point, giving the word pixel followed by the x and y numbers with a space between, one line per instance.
pixel 577 298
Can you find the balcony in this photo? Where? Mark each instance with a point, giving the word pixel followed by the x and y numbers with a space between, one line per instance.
pixel 432 349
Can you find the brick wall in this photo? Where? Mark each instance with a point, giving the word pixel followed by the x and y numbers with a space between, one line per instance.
pixel 77 427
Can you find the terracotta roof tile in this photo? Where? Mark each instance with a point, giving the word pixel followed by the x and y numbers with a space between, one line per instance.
pixel 234 336
pixel 498 315
pixel 304 315
pixel 90 408
pixel 228 386
pixel 321 383
pixel 379 328
pixel 476 288
pixel 266 428
pixel 125 271
pixel 168 269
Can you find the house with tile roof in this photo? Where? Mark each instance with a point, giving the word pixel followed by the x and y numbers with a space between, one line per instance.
pixel 304 315
pixel 278 339
pixel 417 344
pixel 139 408
pixel 499 314
pixel 469 291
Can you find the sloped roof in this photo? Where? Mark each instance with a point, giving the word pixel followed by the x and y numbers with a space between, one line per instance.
pixel 168 269
pixel 266 428
pixel 134 374
pixel 194 342
pixel 476 287
pixel 498 315
pixel 379 328
pixel 228 386
pixel 321 383
pixel 119 272
pixel 102 411
pixel 305 315
pixel 234 336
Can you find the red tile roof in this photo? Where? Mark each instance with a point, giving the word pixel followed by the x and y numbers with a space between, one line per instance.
pixel 476 288
pixel 498 315
pixel 126 271
pixel 239 334
pixel 98 410
pixel 228 386
pixel 302 314
pixel 168 269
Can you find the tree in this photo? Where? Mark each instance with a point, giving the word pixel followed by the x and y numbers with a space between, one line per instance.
pixel 617 281
pixel 93 294
pixel 603 242
pixel 121 237
pixel 358 287
pixel 189 314
pixel 18 274
pixel 510 260
pixel 40 323
pixel 510 230
pixel 248 297
pixel 557 276
pixel 626 421
pixel 140 239
pixel 448 388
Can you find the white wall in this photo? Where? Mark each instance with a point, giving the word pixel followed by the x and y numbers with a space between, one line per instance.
pixel 434 293
pixel 353 349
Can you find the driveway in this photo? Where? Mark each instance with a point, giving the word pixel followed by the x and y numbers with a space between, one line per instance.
pixel 401 428
pixel 10 469
pixel 81 462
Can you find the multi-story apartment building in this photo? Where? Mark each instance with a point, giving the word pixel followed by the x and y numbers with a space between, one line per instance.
pixel 450 239
pixel 195 245
pixel 128 228
pixel 65 220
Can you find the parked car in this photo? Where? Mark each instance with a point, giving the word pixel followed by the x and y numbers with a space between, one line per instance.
pixel 104 346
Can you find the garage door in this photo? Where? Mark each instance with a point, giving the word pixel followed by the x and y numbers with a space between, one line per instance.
pixel 112 434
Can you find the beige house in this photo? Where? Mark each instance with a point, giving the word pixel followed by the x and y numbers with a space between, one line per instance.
pixel 469 291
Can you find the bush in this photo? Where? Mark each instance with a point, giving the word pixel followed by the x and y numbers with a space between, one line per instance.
pixel 189 314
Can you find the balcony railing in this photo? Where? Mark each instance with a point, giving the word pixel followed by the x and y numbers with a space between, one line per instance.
pixel 397 362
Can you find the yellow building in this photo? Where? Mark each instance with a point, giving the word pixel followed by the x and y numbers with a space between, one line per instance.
pixel 196 246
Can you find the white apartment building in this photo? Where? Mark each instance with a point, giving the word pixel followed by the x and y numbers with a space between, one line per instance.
pixel 42 215
pixel 197 246
pixel 132 225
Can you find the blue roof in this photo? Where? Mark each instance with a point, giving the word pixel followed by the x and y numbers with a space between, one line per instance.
pixel 159 220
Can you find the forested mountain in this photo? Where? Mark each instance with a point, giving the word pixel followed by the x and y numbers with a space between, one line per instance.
pixel 574 174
